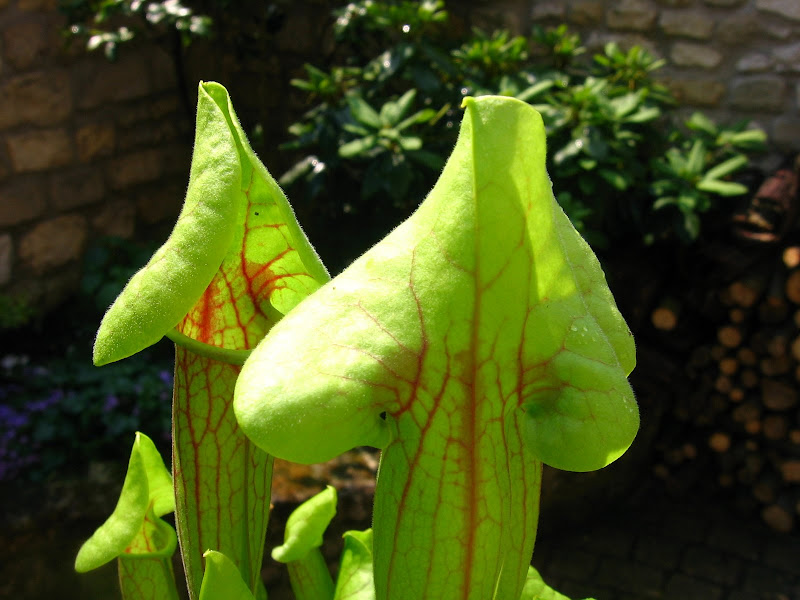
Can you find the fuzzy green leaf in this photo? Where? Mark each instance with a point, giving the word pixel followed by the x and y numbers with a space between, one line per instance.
pixel 158 296
pixel 147 489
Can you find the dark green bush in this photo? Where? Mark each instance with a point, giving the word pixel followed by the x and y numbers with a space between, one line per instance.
pixel 382 120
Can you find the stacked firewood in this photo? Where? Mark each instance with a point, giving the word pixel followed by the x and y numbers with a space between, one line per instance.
pixel 742 394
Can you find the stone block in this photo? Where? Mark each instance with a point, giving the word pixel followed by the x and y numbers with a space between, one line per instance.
pixel 25 42
pixel 754 63
pixel 725 3
pixel 658 551
pixel 623 574
pixel 162 70
pixel 153 135
pixel 759 93
pixel 53 243
pixel 94 140
pixel 41 98
pixel 117 219
pixel 635 15
pixel 694 55
pixel 135 168
pixel 6 258
pixel 75 188
pixel 690 24
pixel 786 133
pixel 39 150
pixel 586 12
pixel 160 204
pixel 739 26
pixel 38 5
pixel 548 10
pixel 146 111
pixel 788 57
pixel 697 92
pixel 683 587
pixel 675 3
pixel 700 561
pixel 789 9
pixel 23 199
pixel 101 82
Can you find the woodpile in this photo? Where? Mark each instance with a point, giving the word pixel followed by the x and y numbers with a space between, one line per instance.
pixel 741 395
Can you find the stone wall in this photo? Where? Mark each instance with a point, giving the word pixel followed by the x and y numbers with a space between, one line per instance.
pixel 732 59
pixel 88 148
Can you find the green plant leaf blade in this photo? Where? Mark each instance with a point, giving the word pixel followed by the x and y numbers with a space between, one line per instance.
pixel 482 329
pixel 222 580
pixel 158 296
pixel 355 581
pixel 147 489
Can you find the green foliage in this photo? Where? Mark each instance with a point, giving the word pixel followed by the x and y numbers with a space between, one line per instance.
pixel 108 23
pixel 611 126
pixel 15 311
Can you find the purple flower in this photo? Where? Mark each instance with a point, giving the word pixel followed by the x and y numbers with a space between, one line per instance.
pixel 111 403
pixel 166 377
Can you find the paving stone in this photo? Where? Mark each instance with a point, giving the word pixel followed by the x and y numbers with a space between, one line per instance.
pixel 608 541
pixel 705 563
pixel 759 578
pixel 783 553
pixel 625 575
pixel 730 538
pixel 658 551
pixel 683 587
pixel 570 563
pixel 685 527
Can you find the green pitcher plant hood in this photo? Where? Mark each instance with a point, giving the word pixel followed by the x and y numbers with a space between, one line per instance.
pixel 145 496
pixel 475 342
pixel 486 291
pixel 225 200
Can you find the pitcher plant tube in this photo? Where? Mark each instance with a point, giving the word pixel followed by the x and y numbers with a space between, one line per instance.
pixel 476 342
